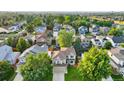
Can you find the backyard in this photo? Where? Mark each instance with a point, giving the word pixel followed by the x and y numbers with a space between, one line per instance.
pixel 73 74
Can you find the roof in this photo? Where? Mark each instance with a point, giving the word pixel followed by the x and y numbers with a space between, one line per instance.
pixel 4 50
pixel 3 30
pixel 117 39
pixel 41 37
pixel 35 49
pixel 6 53
pixel 41 29
pixel 63 53
pixel 118 52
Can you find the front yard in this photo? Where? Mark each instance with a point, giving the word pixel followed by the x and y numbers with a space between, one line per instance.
pixel 73 74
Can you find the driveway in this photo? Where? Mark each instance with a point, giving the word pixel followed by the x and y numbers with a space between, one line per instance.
pixel 59 72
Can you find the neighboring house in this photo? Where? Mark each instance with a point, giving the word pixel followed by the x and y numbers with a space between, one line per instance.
pixel 104 29
pixel 40 29
pixel 102 39
pixel 3 30
pixel 96 42
pixel 64 56
pixel 95 30
pixel 56 29
pixel 86 43
pixel 41 38
pixel 33 50
pixel 15 27
pixel 117 59
pixel 82 30
pixel 6 53
pixel 115 40
pixel 69 28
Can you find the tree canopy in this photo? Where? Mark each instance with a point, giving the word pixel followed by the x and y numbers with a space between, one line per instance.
pixel 107 45
pixel 65 38
pixel 115 32
pixel 6 70
pixel 37 68
pixel 22 44
pixel 95 65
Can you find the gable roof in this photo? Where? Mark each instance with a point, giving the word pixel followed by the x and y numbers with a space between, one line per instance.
pixel 117 39
pixel 4 50
pixel 63 53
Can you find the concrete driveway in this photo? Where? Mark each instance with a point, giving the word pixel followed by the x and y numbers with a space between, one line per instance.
pixel 59 72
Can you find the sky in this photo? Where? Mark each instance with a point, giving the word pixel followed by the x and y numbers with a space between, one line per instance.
pixel 61 5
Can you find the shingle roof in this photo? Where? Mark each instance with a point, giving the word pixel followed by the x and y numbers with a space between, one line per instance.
pixel 118 39
pixel 63 53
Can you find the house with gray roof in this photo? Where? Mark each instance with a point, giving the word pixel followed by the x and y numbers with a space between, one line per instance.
pixel 32 50
pixel 7 54
pixel 82 30
pixel 116 40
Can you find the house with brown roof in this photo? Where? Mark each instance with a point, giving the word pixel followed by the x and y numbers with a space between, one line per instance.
pixel 64 57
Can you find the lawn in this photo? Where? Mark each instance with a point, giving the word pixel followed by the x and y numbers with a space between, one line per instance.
pixel 117 77
pixel 73 74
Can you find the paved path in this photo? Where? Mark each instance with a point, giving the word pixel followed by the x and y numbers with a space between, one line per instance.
pixel 18 77
pixel 58 73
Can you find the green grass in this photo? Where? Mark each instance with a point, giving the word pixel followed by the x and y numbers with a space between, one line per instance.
pixel 73 74
pixel 117 77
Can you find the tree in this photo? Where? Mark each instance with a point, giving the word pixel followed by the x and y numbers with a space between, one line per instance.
pixel 107 45
pixel 6 70
pixel 30 27
pixel 37 67
pixel 12 41
pixel 59 19
pixel 67 19
pixel 37 21
pixel 95 65
pixel 22 44
pixel 9 41
pixel 122 45
pixel 77 46
pixel 115 32
pixel 65 38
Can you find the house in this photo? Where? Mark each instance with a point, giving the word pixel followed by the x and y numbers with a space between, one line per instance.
pixel 69 28
pixel 56 29
pixel 86 43
pixel 104 29
pixel 95 30
pixel 15 27
pixel 6 53
pixel 102 39
pixel 64 56
pixel 96 42
pixel 3 30
pixel 82 30
pixel 115 40
pixel 41 38
pixel 117 59
pixel 41 29
pixel 33 50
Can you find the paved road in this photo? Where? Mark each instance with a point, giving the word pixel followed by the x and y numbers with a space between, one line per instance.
pixel 58 73
pixel 18 77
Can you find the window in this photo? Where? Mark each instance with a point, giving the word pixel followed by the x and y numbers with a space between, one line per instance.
pixel 71 62
pixel 72 56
